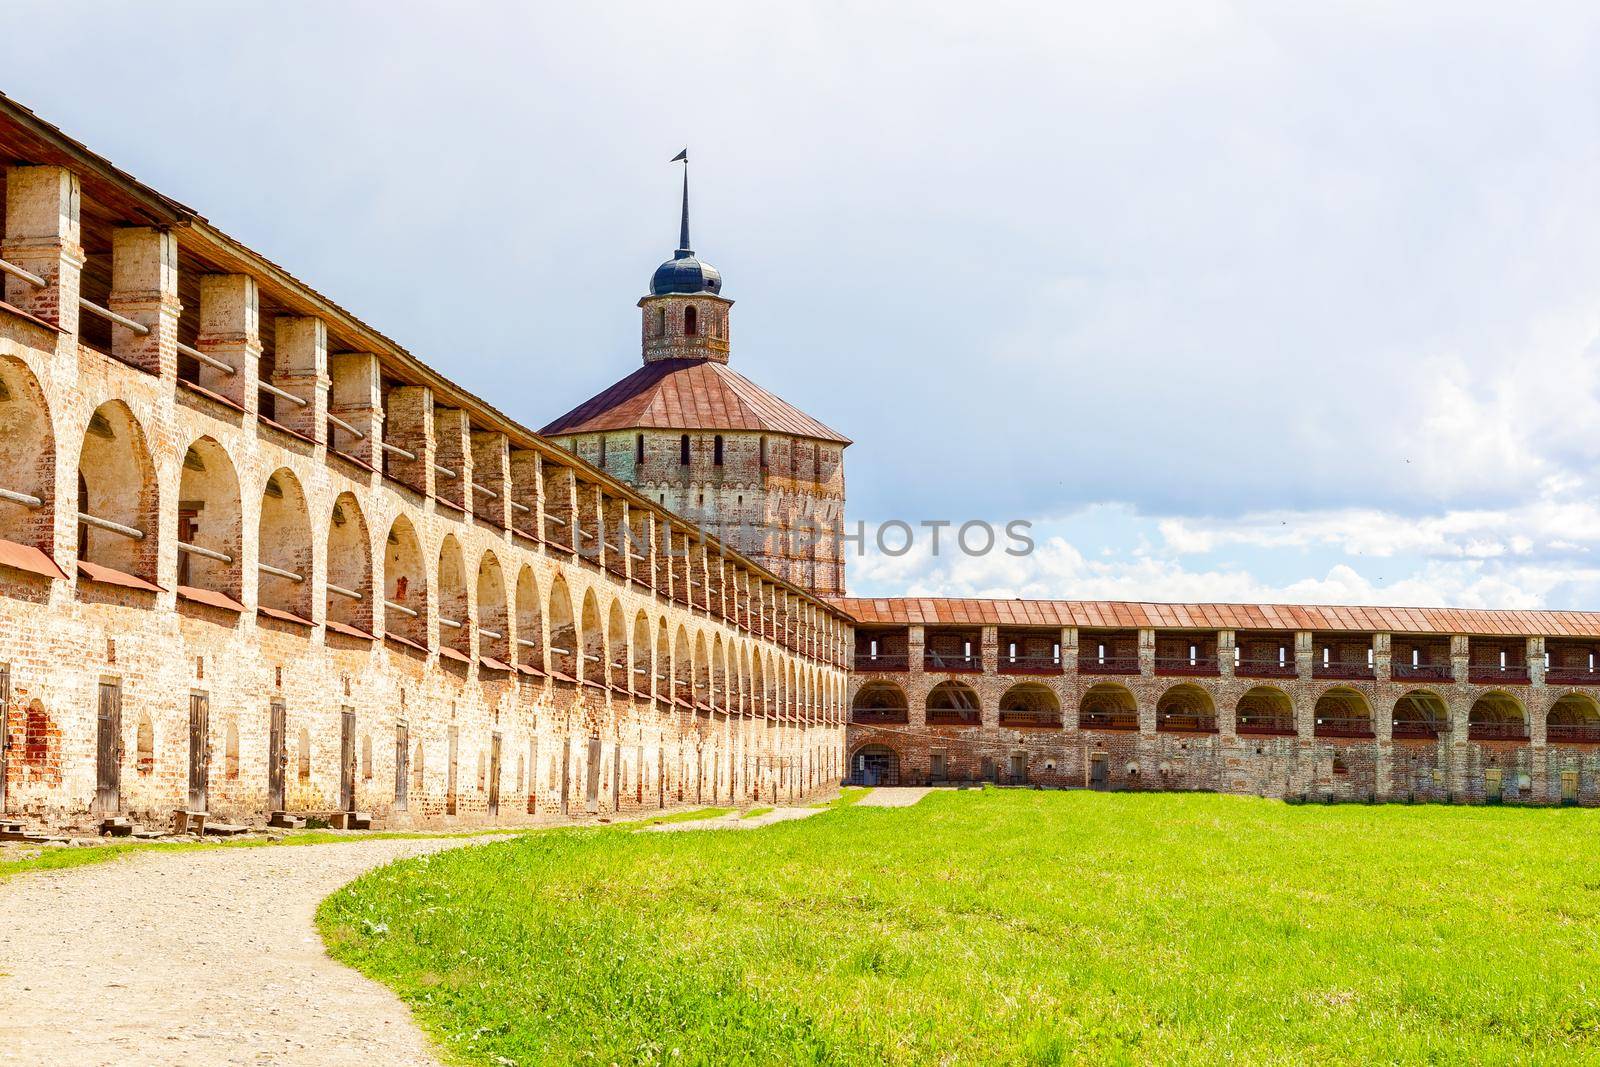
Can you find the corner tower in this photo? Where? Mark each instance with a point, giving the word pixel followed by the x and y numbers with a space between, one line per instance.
pixel 689 432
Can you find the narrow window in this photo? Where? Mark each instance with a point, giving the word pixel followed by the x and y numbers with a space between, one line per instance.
pixel 1369 657
pixel 716 450
pixel 1194 655
pixel 638 448
pixel 763 453
pixel 1416 657
pixel 691 324
pixel 602 451
pixel 661 322
pixel 1326 655
pixel 683 450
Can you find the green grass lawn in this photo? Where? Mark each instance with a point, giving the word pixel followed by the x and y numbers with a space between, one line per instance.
pixel 1006 926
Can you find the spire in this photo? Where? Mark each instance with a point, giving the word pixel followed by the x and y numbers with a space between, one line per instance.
pixel 683 229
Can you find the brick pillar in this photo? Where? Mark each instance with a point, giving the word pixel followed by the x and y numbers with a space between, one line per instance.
pixel 525 489
pixel 408 424
pixel 355 395
pixel 1538 708
pixel 491 468
pixel 144 288
pixel 300 367
pixel 43 237
pixel 230 330
pixel 452 443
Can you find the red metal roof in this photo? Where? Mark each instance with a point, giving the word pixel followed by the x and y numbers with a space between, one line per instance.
pixel 30 559
pixel 689 394
pixel 348 630
pixel 111 576
pixel 209 597
pixel 1106 614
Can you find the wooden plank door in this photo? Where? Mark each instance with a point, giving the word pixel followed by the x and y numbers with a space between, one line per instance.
pixel 277 756
pixel 347 759
pixel 5 728
pixel 450 773
pixel 199 750
pixel 566 772
pixel 494 774
pixel 592 790
pixel 108 750
pixel 402 766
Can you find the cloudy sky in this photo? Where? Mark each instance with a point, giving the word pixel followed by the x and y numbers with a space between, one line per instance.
pixel 1232 301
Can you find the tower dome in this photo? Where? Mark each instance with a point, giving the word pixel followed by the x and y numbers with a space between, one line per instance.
pixel 685 274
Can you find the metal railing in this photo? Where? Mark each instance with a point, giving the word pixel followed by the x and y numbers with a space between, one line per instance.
pixel 1497 731
pixel 1493 674
pixel 1186 722
pixel 1344 726
pixel 883 661
pixel 1108 664
pixel 1420 672
pixel 1108 720
pixel 1267 726
pixel 1193 665
pixel 1029 663
pixel 1353 670
pixel 951 661
pixel 1265 668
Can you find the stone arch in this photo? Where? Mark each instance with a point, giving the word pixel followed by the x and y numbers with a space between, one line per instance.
pixel 1342 712
pixel 563 632
pixel 529 650
pixel 283 582
pixel 1420 713
pixel 455 631
pixel 209 521
pixel 593 663
pixel 661 679
pixel 117 483
pixel 702 672
pixel 1030 704
pixel 27 458
pixel 405 585
pixel 349 566
pixel 719 675
pixel 758 686
pixel 1265 710
pixel 1573 717
pixel 642 669
pixel 1497 716
pixel 494 628
pixel 617 639
pixel 1108 706
pixel 1186 708
pixel 682 669
pixel 880 701
pixel 953 703
pixel 419 766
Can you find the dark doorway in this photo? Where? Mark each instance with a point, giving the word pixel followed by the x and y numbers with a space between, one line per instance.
pixel 277 757
pixel 199 749
pixel 108 748
pixel 402 766
pixel 876 765
pixel 450 773
pixel 347 759
pixel 566 773
pixel 591 797
pixel 494 775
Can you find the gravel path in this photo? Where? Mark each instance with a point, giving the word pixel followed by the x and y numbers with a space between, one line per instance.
pixel 900 796
pixel 196 958
pixel 732 821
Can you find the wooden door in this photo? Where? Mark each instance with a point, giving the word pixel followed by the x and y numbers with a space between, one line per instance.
pixel 402 766
pixel 494 774
pixel 5 729
pixel 566 772
pixel 108 750
pixel 591 796
pixel 347 760
pixel 1099 770
pixel 199 750
pixel 450 773
pixel 277 756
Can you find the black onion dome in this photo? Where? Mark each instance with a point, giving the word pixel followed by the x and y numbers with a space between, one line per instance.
pixel 684 273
